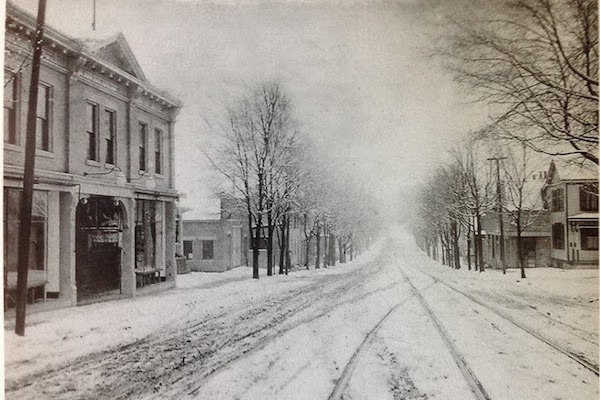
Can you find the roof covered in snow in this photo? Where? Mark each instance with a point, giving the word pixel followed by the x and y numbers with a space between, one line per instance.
pixel 571 171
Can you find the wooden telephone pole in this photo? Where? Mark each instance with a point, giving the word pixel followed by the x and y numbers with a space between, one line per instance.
pixel 27 199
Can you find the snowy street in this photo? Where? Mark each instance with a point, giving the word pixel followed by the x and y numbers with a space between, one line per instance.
pixel 354 331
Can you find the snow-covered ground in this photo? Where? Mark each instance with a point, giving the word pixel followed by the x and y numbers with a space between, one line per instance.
pixel 227 336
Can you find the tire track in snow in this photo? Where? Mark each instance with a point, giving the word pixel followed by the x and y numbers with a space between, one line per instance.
pixel 162 364
pixel 342 382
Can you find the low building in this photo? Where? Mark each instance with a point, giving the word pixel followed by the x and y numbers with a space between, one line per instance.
pixel 571 193
pixel 217 245
pixel 213 245
pixel 104 204
pixel 535 230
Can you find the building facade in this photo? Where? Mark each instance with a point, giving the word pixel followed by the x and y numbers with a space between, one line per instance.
pixel 213 245
pixel 535 241
pixel 104 205
pixel 571 193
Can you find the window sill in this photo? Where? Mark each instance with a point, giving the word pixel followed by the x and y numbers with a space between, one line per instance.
pixel 93 163
pixel 13 147
pixel 159 176
pixel 43 153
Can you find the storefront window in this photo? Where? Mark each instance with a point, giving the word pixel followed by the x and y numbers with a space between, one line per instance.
pixel 145 235
pixel 37 248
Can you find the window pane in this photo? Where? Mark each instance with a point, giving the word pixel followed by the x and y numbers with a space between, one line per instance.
pixel 90 117
pixel 142 146
pixel 158 151
pixel 589 238
pixel 187 248
pixel 110 137
pixel 42 101
pixel 7 125
pixel 91 146
pixel 41 134
pixel 37 247
pixel 10 110
pixel 9 93
pixel 207 249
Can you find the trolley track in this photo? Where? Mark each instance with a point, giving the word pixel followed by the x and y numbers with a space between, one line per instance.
pixel 581 360
pixel 476 386
pixel 472 381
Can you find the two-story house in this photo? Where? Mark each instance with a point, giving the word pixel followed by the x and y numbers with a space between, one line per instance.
pixel 104 205
pixel 571 194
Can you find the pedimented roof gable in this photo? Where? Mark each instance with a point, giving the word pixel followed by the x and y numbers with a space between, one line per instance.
pixel 117 52
pixel 565 171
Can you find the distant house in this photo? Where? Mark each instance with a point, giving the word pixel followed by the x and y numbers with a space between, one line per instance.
pixel 571 194
pixel 217 245
pixel 213 245
pixel 535 235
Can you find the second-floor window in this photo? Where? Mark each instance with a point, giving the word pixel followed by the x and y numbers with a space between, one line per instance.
pixel 92 130
pixel 143 139
pixel 558 202
pixel 588 198
pixel 158 151
pixel 11 92
pixel 42 123
pixel 110 137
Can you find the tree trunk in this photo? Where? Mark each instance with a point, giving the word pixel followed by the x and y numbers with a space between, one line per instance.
pixel 256 249
pixel 455 245
pixel 469 248
pixel 307 249
pixel 332 249
pixel 325 248
pixel 270 230
pixel 480 245
pixel 282 231
pixel 520 247
pixel 318 249
pixel 287 245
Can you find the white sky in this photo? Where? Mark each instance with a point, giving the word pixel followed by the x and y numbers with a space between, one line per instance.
pixel 356 72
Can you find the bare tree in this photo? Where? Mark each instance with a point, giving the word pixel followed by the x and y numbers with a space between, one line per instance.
pixel 253 145
pixel 477 199
pixel 535 64
pixel 523 204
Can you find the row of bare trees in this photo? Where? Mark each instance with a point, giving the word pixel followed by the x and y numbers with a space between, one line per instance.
pixel 534 65
pixel 476 182
pixel 281 177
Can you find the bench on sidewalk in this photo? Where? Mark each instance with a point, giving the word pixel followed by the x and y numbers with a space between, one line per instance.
pixel 147 277
pixel 35 279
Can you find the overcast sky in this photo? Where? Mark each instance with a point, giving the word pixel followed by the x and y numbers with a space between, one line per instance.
pixel 357 72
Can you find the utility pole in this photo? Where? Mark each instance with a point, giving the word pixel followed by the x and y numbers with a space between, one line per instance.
pixel 500 214
pixel 27 199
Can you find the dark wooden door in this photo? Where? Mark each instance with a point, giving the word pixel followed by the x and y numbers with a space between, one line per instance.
pixel 98 248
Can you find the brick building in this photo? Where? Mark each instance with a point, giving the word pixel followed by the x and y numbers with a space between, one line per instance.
pixel 104 206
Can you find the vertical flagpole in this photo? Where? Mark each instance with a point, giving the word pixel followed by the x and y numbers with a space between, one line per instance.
pixel 26 204
pixel 94 20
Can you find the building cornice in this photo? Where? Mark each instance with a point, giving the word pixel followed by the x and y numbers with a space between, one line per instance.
pixel 23 24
